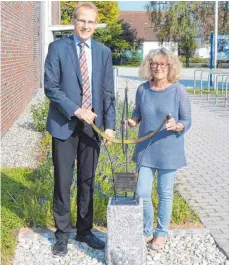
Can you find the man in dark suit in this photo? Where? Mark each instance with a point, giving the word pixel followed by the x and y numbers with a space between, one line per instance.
pixel 79 85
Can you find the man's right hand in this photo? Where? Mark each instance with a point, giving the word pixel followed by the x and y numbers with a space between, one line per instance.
pixel 85 115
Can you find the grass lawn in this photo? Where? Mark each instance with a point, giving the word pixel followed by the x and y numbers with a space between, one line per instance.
pixel 204 91
pixel 125 66
pixel 15 188
pixel 23 204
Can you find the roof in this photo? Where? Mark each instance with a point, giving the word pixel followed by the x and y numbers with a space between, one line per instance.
pixel 140 21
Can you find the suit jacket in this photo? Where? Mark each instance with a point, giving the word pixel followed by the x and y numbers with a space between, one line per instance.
pixel 63 87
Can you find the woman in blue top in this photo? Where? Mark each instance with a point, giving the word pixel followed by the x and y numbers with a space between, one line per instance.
pixel 159 96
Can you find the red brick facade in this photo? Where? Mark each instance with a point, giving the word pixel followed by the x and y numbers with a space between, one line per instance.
pixel 55 12
pixel 20 58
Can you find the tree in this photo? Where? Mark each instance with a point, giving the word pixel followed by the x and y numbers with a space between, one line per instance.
pixel 206 15
pixel 185 21
pixel 130 35
pixel 111 36
pixel 224 17
pixel 175 21
pixel 67 11
pixel 107 11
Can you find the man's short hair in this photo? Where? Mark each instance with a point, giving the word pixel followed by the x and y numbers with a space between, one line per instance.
pixel 86 5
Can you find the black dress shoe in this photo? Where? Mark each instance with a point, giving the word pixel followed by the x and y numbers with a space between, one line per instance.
pixel 92 241
pixel 60 247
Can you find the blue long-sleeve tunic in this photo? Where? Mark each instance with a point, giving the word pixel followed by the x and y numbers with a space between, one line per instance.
pixel 166 150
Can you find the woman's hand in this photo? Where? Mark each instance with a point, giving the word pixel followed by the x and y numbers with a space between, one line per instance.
pixel 171 125
pixel 131 122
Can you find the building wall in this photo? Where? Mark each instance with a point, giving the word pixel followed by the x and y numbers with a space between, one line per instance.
pixel 55 12
pixel 20 58
pixel 202 52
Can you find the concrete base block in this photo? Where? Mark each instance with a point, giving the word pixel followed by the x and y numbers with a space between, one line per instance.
pixel 125 240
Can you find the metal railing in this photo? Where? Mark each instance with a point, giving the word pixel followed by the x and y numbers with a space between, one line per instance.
pixel 115 76
pixel 215 85
pixel 227 82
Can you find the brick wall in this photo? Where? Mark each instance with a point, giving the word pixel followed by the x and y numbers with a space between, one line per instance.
pixel 55 12
pixel 20 58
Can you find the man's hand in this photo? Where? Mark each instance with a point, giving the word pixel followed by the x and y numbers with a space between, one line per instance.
pixel 110 133
pixel 85 115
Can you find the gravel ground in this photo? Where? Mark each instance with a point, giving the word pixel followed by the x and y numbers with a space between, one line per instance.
pixel 184 247
pixel 20 145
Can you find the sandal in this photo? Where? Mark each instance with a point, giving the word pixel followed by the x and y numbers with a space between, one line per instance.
pixel 148 239
pixel 158 242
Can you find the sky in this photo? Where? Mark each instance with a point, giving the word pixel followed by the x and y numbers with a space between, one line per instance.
pixel 132 5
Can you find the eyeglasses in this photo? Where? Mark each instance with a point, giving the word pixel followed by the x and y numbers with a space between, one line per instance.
pixel 162 65
pixel 82 22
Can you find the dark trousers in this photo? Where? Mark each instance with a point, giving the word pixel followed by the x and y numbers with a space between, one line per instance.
pixel 83 144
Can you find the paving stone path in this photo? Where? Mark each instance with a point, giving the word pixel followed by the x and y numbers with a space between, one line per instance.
pixel 206 178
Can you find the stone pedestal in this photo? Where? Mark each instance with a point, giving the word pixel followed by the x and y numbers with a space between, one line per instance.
pixel 125 241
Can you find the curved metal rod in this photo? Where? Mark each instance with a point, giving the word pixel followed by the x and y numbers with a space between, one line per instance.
pixel 130 141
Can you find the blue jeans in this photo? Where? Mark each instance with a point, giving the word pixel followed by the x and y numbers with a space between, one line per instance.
pixel 165 195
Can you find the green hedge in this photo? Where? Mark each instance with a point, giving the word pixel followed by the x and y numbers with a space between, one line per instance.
pixel 195 60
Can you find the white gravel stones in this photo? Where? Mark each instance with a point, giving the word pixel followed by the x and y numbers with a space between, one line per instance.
pixel 190 249
pixel 21 143
pixel 185 247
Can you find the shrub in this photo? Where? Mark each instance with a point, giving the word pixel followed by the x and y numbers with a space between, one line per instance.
pixel 195 60
pixel 39 114
pixel 116 58
pixel 134 61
